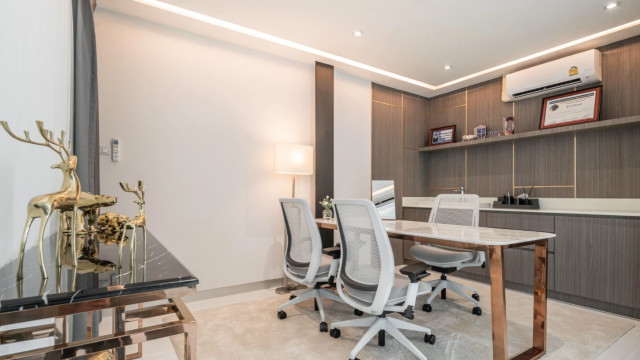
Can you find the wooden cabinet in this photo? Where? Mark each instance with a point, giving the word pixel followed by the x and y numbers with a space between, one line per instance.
pixel 599 258
pixel 529 222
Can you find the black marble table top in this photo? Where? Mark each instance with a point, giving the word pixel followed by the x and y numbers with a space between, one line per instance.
pixel 161 271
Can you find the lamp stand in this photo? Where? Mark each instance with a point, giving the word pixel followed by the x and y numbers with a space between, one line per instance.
pixel 289 287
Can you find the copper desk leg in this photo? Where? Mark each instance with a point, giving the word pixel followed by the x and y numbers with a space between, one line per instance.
pixel 540 297
pixel 498 308
pixel 119 327
pixel 189 325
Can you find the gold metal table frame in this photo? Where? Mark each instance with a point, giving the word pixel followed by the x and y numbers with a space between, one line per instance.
pixel 119 338
pixel 498 302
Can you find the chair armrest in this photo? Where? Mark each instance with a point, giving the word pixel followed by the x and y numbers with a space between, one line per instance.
pixel 415 272
pixel 334 252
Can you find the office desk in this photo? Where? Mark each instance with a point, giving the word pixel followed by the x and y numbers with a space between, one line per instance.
pixel 493 242
pixel 162 278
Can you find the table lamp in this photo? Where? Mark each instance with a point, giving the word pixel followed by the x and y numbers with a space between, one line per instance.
pixel 295 160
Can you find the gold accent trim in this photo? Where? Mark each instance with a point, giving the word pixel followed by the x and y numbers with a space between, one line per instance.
pixel 575 166
pixel 544 186
pixel 384 103
pixel 446 109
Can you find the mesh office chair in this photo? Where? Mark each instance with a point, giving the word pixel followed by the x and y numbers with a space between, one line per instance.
pixel 369 280
pixel 451 209
pixel 305 261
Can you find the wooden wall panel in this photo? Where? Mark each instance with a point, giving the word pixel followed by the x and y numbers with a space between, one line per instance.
pixel 446 171
pixel 545 162
pixel 489 170
pixel 597 258
pixel 324 140
pixel 415 125
pixel 386 95
pixel 446 101
pixel 485 106
pixel 414 214
pixel 605 165
pixel 621 79
pixel 415 179
pixel 527 112
pixel 451 116
pixel 386 147
pixel 608 163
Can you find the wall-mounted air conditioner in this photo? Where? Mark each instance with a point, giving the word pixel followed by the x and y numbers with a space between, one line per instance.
pixel 574 70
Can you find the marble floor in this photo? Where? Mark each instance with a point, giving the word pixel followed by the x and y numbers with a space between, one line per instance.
pixel 615 337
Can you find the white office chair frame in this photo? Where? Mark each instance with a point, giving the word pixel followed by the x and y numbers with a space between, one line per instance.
pixel 311 278
pixel 468 201
pixel 381 305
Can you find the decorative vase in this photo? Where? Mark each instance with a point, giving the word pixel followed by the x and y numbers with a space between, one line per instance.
pixel 327 214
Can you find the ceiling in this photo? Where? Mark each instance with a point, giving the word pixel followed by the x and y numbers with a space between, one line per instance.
pixel 412 38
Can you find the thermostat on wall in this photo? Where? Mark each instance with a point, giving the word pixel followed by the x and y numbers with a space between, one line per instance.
pixel 115 153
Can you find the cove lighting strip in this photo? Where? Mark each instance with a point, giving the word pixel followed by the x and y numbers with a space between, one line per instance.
pixel 297 46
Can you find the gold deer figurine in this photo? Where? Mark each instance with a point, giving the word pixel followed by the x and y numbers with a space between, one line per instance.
pixel 66 199
pixel 140 221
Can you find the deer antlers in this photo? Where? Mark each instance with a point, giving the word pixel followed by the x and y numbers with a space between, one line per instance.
pixel 139 191
pixel 47 135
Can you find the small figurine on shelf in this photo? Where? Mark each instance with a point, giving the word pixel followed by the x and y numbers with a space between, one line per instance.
pixel 509 125
pixel 327 204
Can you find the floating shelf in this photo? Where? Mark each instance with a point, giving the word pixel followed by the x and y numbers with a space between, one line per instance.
pixel 604 124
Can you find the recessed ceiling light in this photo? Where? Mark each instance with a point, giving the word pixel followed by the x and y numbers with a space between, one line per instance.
pixel 357 33
pixel 612 5
pixel 447 67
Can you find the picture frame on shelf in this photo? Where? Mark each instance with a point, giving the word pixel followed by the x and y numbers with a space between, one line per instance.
pixel 442 135
pixel 572 108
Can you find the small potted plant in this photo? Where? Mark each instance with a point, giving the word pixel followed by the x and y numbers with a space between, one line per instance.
pixel 327 204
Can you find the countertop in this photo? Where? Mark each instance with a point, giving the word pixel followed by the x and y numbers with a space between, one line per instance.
pixel 456 233
pixel 162 271
pixel 557 206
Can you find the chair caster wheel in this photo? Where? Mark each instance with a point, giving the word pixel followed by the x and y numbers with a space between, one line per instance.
pixel 357 312
pixel 430 339
pixel 476 311
pixel 282 315
pixel 334 333
pixel 426 307
pixel 324 327
pixel 476 297
pixel 292 297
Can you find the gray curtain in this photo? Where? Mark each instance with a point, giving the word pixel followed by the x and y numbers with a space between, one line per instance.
pixel 85 130
pixel 85 97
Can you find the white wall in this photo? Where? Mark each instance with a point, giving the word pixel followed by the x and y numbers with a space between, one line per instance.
pixel 352 137
pixel 197 119
pixel 35 84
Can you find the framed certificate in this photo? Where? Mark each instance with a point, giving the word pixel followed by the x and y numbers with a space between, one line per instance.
pixel 442 135
pixel 572 108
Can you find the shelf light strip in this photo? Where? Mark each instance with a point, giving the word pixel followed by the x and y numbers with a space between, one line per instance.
pixel 297 46
pixel 544 52
pixel 277 40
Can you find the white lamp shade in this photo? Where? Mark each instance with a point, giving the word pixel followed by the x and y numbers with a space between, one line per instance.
pixel 294 159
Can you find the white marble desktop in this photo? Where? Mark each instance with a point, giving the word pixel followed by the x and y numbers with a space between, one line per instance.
pixel 463 234
pixel 567 206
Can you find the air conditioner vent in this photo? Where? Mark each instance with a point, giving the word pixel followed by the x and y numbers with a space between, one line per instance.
pixel 548 88
pixel 579 69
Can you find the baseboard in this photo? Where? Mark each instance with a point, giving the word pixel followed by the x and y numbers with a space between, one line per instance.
pixel 232 290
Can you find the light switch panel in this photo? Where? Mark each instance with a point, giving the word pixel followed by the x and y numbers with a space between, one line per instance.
pixel 104 150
